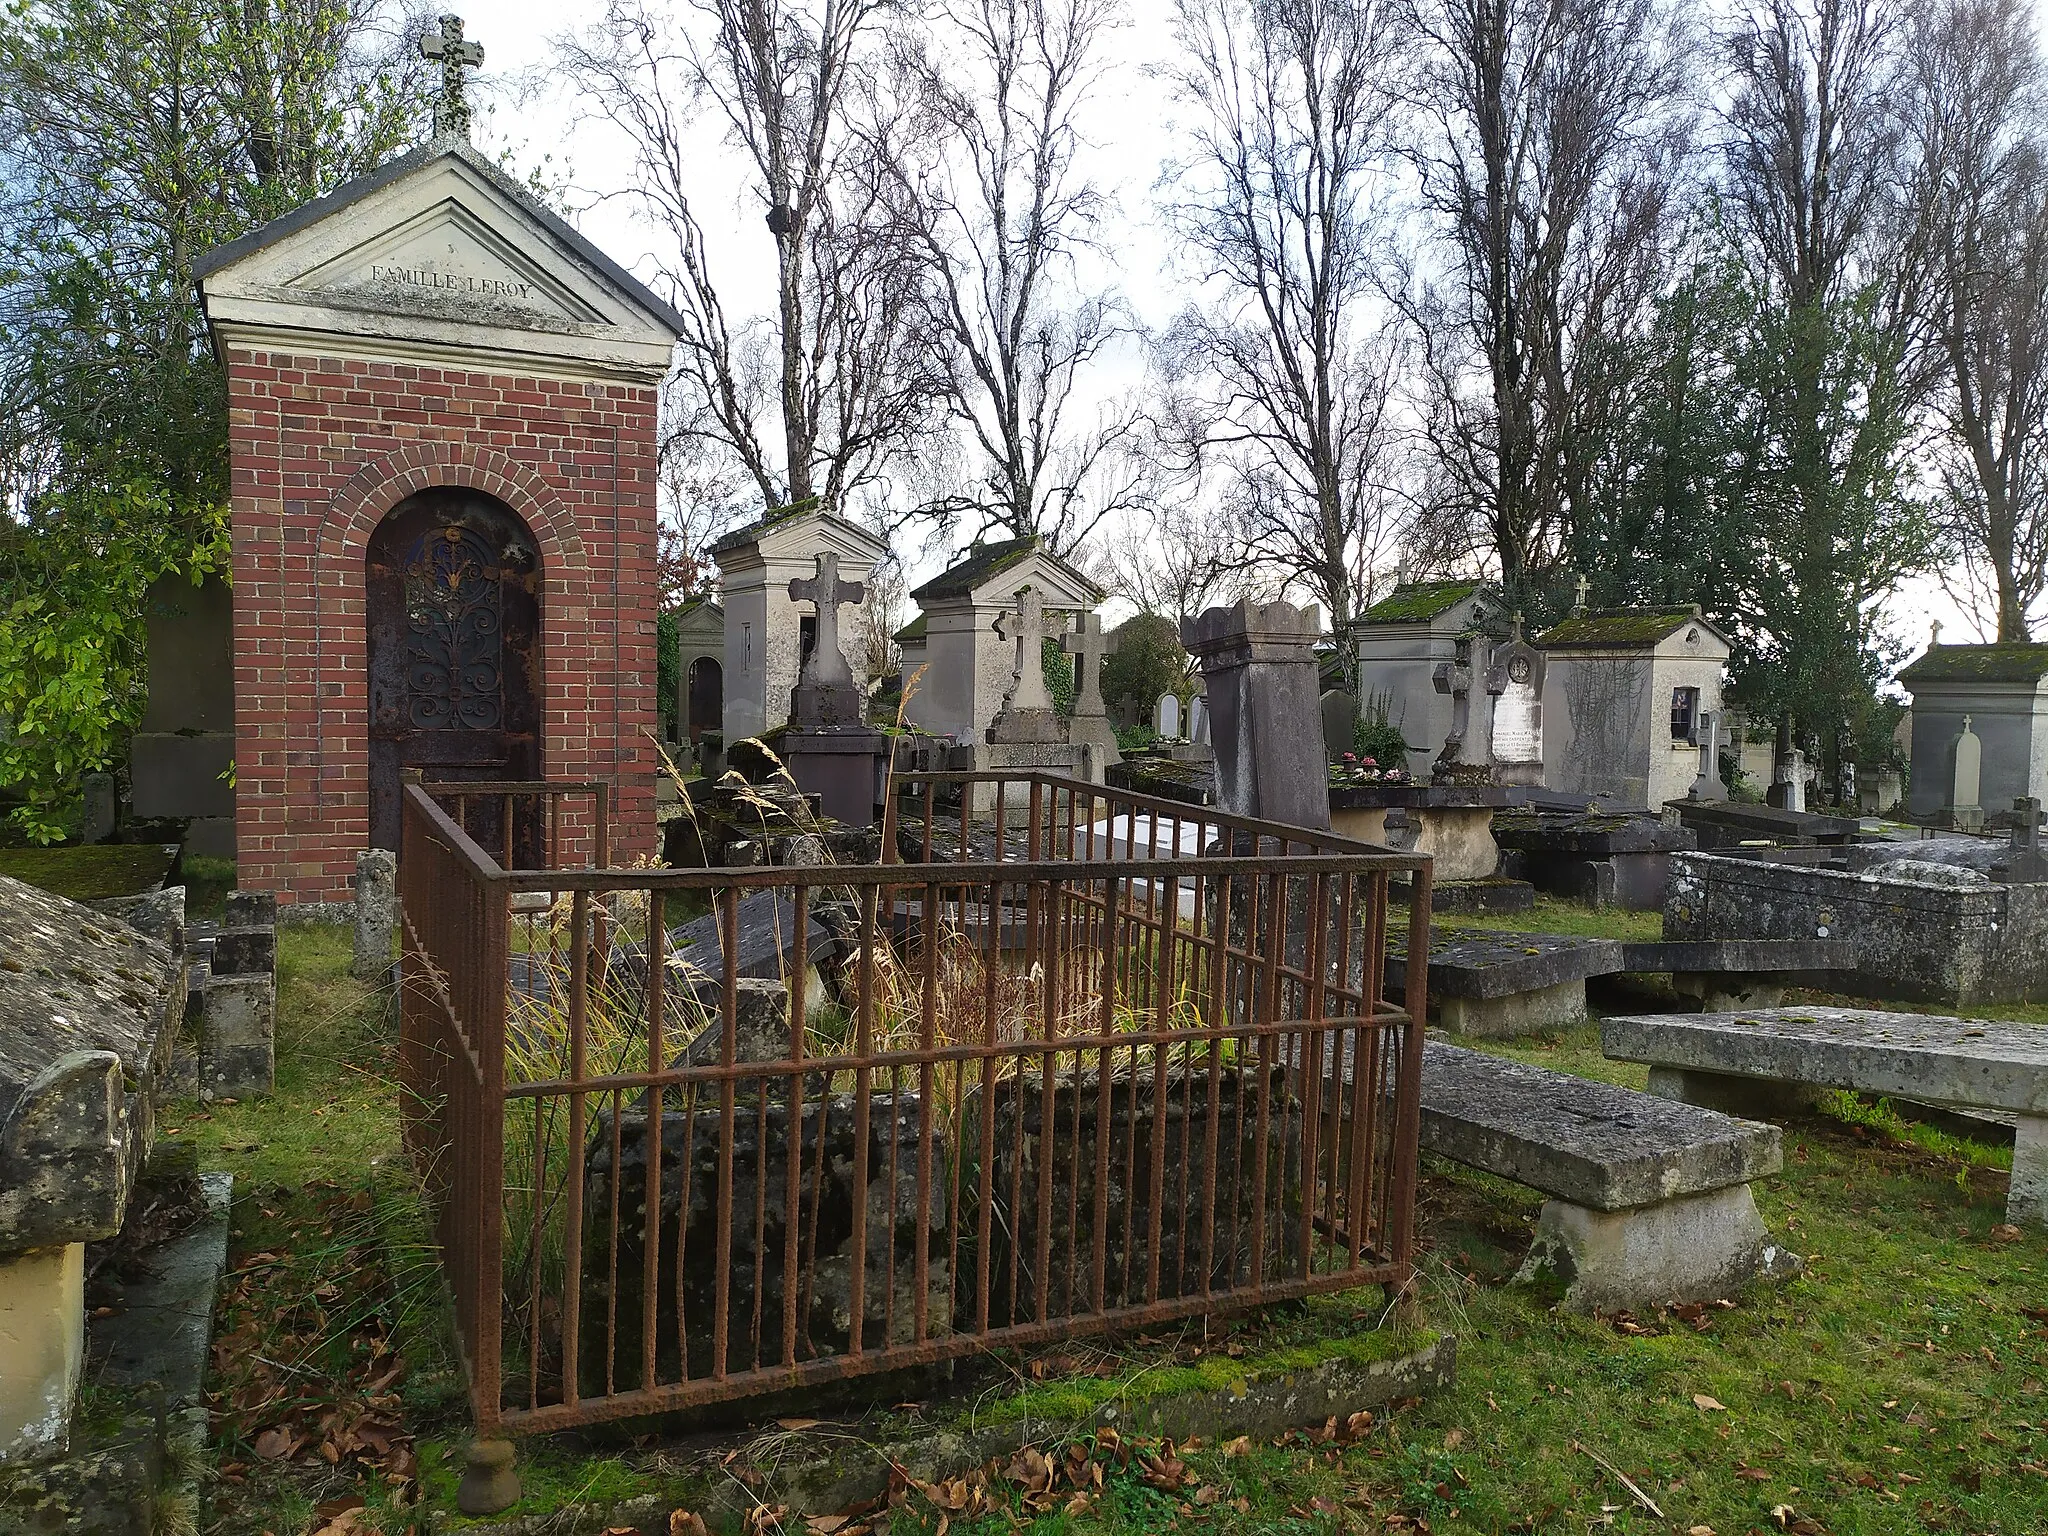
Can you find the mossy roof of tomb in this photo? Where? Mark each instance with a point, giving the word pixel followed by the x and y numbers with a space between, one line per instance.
pixel 911 632
pixel 1623 628
pixel 352 192
pixel 776 516
pixel 2022 662
pixel 986 560
pixel 1415 602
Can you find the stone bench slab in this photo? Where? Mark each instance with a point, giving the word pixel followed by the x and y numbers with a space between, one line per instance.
pixel 1495 965
pixel 1645 1207
pixel 1738 1058
pixel 1591 1143
pixel 1980 1062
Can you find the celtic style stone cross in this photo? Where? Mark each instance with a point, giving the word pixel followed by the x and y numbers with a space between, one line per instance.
pixel 1026 627
pixel 451 110
pixel 1454 678
pixel 1088 645
pixel 826 666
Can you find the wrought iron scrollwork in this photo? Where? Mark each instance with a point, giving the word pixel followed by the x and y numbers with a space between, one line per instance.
pixel 454 608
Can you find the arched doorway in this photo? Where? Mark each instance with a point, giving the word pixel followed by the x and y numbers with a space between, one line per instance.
pixel 453 614
pixel 707 698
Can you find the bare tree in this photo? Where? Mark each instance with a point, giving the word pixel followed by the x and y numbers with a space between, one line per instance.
pixel 984 132
pixel 1552 156
pixel 1983 187
pixel 836 370
pixel 1280 370
pixel 1177 560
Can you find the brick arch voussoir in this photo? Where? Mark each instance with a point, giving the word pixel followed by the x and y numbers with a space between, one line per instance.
pixel 383 483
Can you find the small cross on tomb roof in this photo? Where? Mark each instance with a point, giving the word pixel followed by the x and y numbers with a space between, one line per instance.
pixel 451 109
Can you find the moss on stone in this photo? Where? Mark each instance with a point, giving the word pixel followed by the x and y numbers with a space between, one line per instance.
pixel 1620 627
pixel 1075 1401
pixel 1417 602
pixel 2011 663
pixel 91 872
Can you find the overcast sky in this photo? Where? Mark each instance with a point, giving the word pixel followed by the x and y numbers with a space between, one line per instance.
pixel 535 116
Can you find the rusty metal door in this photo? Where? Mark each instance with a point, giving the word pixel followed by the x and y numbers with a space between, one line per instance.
pixel 707 698
pixel 453 615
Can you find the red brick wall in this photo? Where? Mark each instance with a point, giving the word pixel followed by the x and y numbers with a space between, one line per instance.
pixel 321 448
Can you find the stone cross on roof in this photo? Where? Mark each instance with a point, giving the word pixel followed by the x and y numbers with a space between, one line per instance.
pixel 1088 645
pixel 826 666
pixel 451 109
pixel 1026 626
pixel 1583 588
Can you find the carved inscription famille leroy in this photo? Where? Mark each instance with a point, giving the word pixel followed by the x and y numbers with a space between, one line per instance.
pixel 452 282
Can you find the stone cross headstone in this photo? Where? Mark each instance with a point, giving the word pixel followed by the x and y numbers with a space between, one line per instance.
pixel 1027 713
pixel 2028 864
pixel 1089 729
pixel 1708 785
pixel 1969 770
pixel 1259 675
pixel 1455 679
pixel 451 108
pixel 826 665
pixel 826 696
pixel 1087 644
pixel 1166 717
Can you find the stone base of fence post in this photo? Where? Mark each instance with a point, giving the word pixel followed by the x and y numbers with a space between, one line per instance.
pixel 489 1484
pixel 376 886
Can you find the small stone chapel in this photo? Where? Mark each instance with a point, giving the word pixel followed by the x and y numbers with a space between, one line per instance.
pixel 442 405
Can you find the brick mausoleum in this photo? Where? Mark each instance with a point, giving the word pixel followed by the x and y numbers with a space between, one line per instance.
pixel 442 409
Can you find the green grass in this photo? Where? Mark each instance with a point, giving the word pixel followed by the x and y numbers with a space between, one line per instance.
pixel 88 872
pixel 1550 915
pixel 1906 1348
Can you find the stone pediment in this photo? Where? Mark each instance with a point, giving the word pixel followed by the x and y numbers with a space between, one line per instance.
pixel 437 256
pixel 800 537
pixel 991 576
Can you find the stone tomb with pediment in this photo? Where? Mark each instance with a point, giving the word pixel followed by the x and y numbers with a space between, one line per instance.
pixel 442 405
pixel 769 633
pixel 970 666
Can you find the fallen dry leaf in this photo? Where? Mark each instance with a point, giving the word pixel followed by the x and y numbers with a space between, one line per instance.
pixel 2005 1232
pixel 1706 1404
pixel 274 1444
pixel 799 1423
pixel 682 1523
pixel 825 1525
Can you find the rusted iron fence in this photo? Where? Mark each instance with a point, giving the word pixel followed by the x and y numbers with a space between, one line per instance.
pixel 1096 1060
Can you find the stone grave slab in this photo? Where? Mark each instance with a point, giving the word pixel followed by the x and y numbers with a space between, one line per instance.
pixel 1733 1059
pixel 1497 984
pixel 1646 1206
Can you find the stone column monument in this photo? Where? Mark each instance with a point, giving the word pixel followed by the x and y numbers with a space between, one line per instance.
pixel 1265 709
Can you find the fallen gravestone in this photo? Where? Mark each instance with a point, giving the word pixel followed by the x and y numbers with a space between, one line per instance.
pixel 1738 1060
pixel 88 1009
